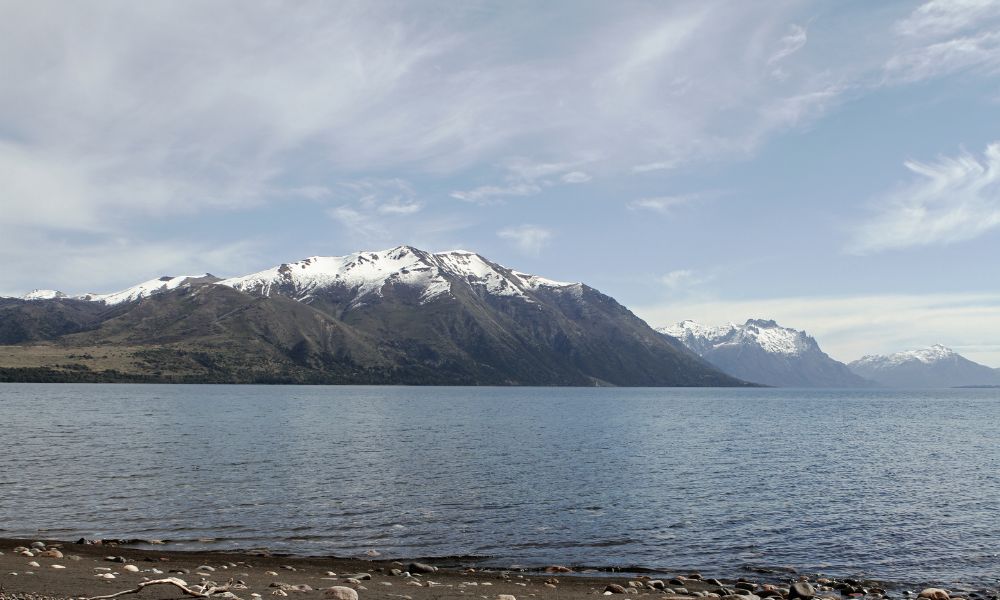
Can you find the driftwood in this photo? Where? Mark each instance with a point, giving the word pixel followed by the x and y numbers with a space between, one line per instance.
pixel 180 583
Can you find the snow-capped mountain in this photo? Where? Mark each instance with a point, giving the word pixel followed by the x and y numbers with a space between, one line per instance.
pixel 131 294
pixel 148 288
pixel 363 274
pixel 394 316
pixel 43 295
pixel 932 367
pixel 764 352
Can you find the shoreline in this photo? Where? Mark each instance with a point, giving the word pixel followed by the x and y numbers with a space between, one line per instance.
pixel 64 569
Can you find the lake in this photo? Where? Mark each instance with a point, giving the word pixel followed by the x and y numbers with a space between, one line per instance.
pixel 901 486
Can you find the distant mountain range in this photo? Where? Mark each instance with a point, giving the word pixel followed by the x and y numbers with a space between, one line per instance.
pixel 933 367
pixel 763 352
pixel 413 317
pixel 399 316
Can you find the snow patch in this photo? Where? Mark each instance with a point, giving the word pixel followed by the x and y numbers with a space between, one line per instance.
pixel 766 334
pixel 142 290
pixel 927 356
pixel 367 273
pixel 43 295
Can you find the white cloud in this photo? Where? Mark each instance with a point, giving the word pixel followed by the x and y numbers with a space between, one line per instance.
pixel 399 207
pixel 105 264
pixel 943 37
pixel 683 280
pixel 788 45
pixel 529 239
pixel 664 205
pixel 523 178
pixel 951 200
pixel 657 166
pixel 375 210
pixel 980 51
pixel 576 177
pixel 943 17
pixel 161 116
pixel 849 327
pixel 488 193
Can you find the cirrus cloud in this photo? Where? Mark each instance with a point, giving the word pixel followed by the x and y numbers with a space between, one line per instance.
pixel 952 199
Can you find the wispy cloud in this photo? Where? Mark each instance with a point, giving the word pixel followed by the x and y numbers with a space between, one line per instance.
pixel 950 200
pixel 683 280
pixel 370 209
pixel 943 37
pixel 529 239
pixel 789 44
pixel 105 264
pixel 663 165
pixel 980 51
pixel 664 205
pixel 489 193
pixel 524 178
pixel 576 177
pixel 943 17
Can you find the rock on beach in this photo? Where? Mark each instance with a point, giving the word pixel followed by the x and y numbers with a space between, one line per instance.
pixel 339 592
pixel 804 590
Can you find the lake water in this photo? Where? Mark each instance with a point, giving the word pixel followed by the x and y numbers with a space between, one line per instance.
pixel 902 486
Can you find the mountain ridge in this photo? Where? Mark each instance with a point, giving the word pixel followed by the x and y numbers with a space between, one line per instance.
pixel 935 366
pixel 764 352
pixel 394 316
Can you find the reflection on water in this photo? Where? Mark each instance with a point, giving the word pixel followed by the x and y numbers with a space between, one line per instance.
pixel 896 485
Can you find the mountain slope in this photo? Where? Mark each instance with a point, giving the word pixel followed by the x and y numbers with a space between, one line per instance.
pixel 397 316
pixel 932 367
pixel 764 352
pixel 45 318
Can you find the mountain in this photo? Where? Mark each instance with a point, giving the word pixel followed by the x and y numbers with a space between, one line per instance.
pixel 933 367
pixel 395 316
pixel 764 352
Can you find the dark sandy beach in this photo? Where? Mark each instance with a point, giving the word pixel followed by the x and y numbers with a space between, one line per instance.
pixel 73 570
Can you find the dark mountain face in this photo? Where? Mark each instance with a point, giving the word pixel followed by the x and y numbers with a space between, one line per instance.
pixel 35 320
pixel 453 320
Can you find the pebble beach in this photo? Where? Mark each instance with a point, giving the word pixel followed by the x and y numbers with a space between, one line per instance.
pixel 45 569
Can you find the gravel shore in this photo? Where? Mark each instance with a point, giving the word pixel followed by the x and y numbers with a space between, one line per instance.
pixel 46 570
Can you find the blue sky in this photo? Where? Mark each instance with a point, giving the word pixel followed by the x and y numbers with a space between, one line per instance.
pixel 832 165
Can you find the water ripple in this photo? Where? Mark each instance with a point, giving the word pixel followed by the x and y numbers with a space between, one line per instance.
pixel 896 485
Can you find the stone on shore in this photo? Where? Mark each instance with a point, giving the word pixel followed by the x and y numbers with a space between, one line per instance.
pixel 131 568
pixel 421 568
pixel 506 597
pixel 339 592
pixel 614 588
pixel 934 594
pixel 805 591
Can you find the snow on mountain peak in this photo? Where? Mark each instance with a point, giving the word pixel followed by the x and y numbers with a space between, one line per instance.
pixel 363 273
pixel 928 355
pixel 142 290
pixel 367 272
pixel 43 295
pixel 765 333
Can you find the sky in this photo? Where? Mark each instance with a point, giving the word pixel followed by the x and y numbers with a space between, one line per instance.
pixel 831 165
